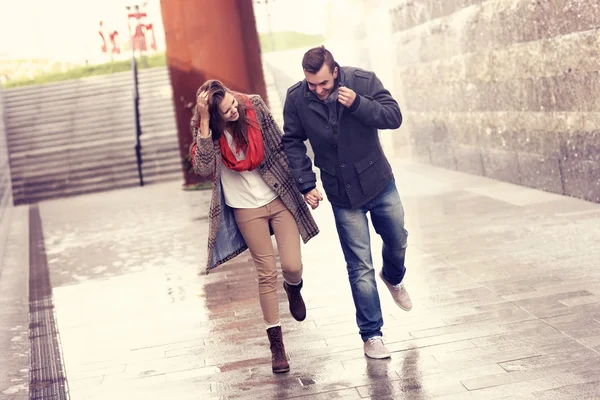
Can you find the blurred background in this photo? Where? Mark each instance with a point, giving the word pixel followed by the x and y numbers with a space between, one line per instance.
pixel 499 88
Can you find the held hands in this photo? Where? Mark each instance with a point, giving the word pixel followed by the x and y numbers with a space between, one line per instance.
pixel 346 96
pixel 313 198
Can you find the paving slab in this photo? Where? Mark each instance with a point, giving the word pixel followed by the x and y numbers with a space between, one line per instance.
pixel 505 282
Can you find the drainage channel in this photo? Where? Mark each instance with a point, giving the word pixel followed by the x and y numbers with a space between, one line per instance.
pixel 47 376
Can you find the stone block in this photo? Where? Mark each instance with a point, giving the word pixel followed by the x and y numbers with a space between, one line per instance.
pixel 581 179
pixel 535 141
pixel 447 28
pixel 593 193
pixel 462 128
pixel 540 172
pixel 575 178
pixel 442 154
pixel 420 140
pixel 580 145
pixel 468 159
pixel 502 165
pixel 410 14
pixel 496 137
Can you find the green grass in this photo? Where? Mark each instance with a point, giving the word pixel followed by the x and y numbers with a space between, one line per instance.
pixel 281 41
pixel 155 60
pixel 288 41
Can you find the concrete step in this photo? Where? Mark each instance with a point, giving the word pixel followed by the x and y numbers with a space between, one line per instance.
pixel 90 156
pixel 151 129
pixel 70 182
pixel 118 95
pixel 112 111
pixel 115 168
pixel 110 102
pixel 110 167
pixel 101 148
pixel 156 161
pixel 100 145
pixel 82 178
pixel 40 135
pixel 76 137
pixel 95 180
pixel 90 91
pixel 61 171
pixel 82 129
pixel 145 76
pixel 100 186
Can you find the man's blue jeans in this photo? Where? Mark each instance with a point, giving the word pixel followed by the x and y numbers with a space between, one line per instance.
pixel 387 216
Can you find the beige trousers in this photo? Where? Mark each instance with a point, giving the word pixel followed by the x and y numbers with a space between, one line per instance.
pixel 254 225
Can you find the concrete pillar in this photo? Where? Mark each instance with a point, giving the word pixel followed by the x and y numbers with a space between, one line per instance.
pixel 208 39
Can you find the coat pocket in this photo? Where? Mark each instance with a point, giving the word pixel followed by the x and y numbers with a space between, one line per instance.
pixel 369 172
pixel 329 179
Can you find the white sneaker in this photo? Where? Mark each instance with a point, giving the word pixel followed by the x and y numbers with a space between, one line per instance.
pixel 374 348
pixel 399 294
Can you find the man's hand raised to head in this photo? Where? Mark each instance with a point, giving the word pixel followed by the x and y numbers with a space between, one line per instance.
pixel 346 96
pixel 313 198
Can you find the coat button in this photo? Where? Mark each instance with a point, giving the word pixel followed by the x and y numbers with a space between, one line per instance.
pixel 343 165
pixel 370 162
pixel 326 126
pixel 300 179
pixel 348 186
pixel 276 185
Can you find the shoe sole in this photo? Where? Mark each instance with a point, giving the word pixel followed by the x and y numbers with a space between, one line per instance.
pixel 381 357
pixel 299 319
pixel 386 284
pixel 281 371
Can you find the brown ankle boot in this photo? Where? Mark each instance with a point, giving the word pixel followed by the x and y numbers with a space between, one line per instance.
pixel 278 358
pixel 297 307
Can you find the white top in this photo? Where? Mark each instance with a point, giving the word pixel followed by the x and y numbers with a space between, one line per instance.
pixel 246 189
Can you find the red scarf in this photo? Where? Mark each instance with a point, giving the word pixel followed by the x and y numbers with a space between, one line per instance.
pixel 255 149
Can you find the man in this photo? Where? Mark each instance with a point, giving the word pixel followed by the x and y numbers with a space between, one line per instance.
pixel 339 110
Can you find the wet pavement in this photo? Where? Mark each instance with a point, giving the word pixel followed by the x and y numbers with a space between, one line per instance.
pixel 505 282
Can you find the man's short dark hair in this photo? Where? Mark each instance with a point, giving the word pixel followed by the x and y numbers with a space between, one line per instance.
pixel 314 59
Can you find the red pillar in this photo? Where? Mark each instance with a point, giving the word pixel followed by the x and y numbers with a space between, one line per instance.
pixel 208 39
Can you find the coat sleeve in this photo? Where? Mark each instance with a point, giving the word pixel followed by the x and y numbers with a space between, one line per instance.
pixel 295 149
pixel 378 108
pixel 203 154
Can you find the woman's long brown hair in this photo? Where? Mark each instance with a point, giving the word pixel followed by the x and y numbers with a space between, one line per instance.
pixel 216 91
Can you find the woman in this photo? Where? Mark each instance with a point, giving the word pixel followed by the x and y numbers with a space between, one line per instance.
pixel 253 195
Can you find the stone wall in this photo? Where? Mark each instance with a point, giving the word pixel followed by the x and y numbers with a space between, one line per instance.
pixel 6 198
pixel 504 88
pixel 501 88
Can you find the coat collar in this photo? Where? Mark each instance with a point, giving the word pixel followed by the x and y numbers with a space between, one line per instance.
pixel 317 105
pixel 340 81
